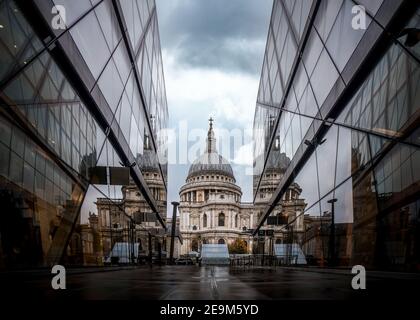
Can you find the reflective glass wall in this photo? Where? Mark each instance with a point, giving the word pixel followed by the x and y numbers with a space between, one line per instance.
pixel 79 102
pixel 342 103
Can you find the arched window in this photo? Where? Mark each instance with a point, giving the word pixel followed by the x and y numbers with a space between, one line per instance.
pixel 281 218
pixel 204 221
pixel 205 241
pixel 277 143
pixel 236 221
pixel 156 245
pixel 194 245
pixel 221 241
pixel 76 244
pixel 221 219
pixel 278 241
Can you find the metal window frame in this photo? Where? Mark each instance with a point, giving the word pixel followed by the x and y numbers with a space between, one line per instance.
pixel 35 12
pixel 393 15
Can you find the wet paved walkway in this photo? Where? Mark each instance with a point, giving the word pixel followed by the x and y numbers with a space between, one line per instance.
pixel 192 282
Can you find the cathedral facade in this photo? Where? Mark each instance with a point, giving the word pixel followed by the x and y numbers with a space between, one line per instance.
pixel 128 219
pixel 211 210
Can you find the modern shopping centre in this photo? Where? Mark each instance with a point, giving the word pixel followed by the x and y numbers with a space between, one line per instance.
pixel 83 161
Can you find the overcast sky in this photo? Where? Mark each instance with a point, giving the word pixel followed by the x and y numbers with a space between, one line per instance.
pixel 212 56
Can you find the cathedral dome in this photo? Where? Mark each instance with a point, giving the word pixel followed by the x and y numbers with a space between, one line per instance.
pixel 148 161
pixel 277 161
pixel 210 162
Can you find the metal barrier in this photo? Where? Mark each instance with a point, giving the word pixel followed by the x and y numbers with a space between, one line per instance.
pixel 260 260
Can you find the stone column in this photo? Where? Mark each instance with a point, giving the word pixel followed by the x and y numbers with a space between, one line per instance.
pixel 182 219
pixel 227 218
pixel 186 215
pixel 186 220
pixel 200 221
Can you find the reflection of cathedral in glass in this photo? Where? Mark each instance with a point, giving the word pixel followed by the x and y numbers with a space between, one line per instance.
pixel 128 218
pixel 211 210
pixel 75 129
pixel 343 106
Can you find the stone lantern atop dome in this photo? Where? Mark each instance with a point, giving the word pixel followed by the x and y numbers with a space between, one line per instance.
pixel 211 162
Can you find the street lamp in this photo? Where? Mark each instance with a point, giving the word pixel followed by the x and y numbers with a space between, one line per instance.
pixel 132 237
pixel 171 253
pixel 331 251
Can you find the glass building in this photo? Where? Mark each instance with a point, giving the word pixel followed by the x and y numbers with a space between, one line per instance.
pixel 82 96
pixel 339 96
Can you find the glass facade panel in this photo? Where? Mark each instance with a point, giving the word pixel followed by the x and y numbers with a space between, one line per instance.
pixel 308 105
pixel 61 174
pixel 108 23
pixel 387 99
pixel 357 168
pixel 371 6
pixel 300 16
pixel 87 34
pixel 307 180
pixel 49 115
pixel 134 20
pixel 312 52
pixel 409 43
pixel 288 55
pixel 327 15
pixel 342 29
pixel 18 44
pixel 326 161
pixel 111 85
pixel 74 9
pixel 323 77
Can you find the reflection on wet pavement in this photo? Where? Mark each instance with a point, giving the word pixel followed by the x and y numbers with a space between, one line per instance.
pixel 192 282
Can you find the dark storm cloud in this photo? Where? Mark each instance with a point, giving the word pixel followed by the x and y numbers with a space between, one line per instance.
pixel 222 34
